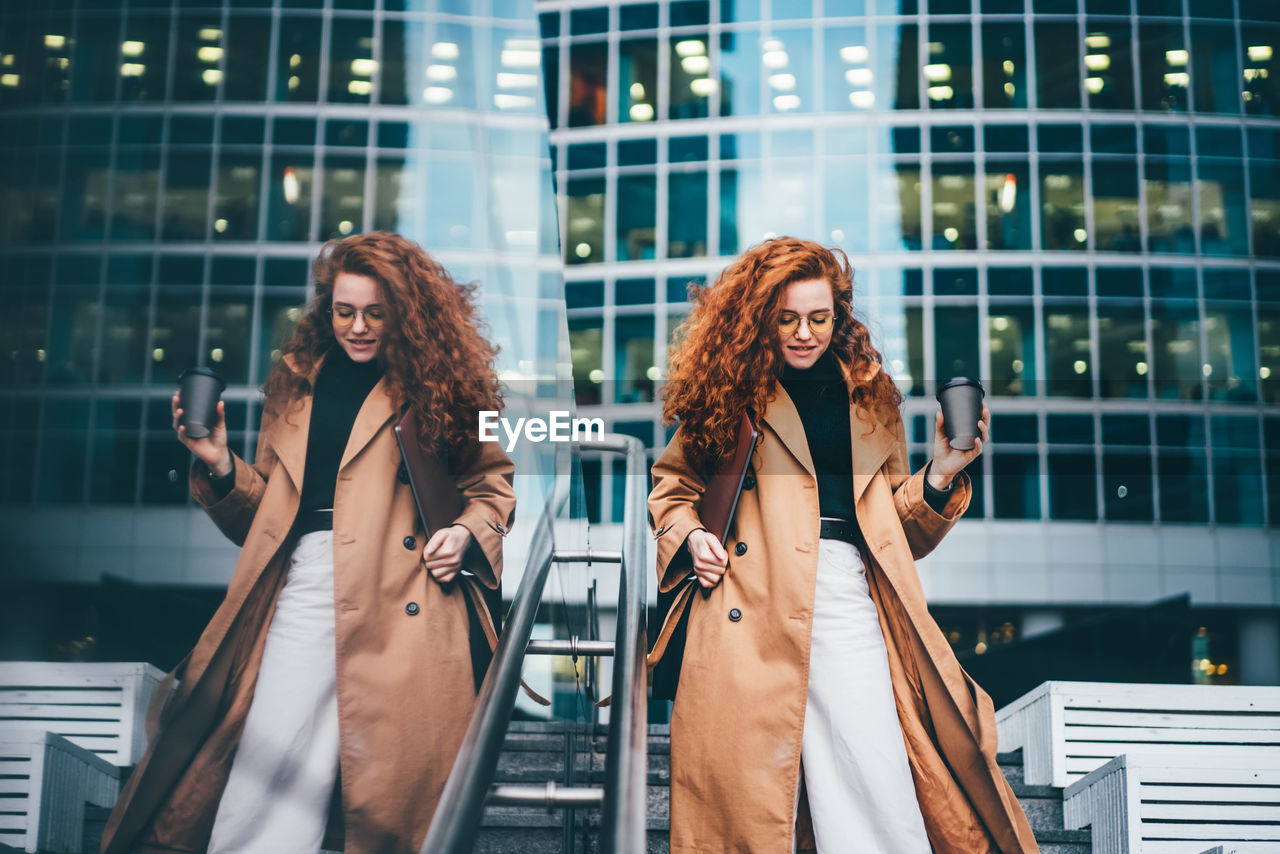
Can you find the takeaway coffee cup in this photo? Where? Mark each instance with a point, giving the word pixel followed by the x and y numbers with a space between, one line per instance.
pixel 198 393
pixel 961 400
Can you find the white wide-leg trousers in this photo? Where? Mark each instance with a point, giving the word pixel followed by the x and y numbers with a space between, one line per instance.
pixel 856 772
pixel 282 776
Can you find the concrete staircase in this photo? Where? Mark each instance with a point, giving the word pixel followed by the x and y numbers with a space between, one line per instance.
pixel 539 752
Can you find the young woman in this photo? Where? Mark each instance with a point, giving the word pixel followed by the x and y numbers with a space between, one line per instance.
pixel 340 656
pixel 817 697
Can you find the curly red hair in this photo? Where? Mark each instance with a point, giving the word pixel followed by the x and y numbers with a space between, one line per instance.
pixel 432 351
pixel 727 356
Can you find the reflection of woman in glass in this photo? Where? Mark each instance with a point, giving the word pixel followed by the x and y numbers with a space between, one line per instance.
pixel 342 643
pixel 816 691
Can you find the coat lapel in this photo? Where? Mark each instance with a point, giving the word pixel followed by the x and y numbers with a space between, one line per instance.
pixel 290 441
pixel 781 414
pixel 376 411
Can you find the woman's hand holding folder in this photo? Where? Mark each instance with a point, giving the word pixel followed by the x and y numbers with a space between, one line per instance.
pixel 709 557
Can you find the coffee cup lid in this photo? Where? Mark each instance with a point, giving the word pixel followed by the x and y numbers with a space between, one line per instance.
pixel 204 372
pixel 959 381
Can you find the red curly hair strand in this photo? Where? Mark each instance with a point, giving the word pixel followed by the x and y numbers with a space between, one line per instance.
pixel 432 351
pixel 727 356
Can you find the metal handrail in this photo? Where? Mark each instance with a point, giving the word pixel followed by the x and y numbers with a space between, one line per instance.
pixel 461 807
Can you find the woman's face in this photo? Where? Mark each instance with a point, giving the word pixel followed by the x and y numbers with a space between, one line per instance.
pixel 358 315
pixel 807 303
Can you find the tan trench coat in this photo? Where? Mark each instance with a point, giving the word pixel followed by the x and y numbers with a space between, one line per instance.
pixel 739 709
pixel 404 682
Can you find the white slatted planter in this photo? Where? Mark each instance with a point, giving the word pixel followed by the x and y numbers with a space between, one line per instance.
pixel 1067 729
pixel 1179 805
pixel 45 782
pixel 101 707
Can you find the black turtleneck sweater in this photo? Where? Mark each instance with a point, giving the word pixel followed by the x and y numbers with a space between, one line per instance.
pixel 822 399
pixel 340 390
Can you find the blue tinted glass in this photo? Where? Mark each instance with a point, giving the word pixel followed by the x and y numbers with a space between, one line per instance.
pixel 1015 428
pixel 634 292
pixel 1113 139
pixel 1119 282
pixel 637 152
pixel 1165 139
pixel 638 16
pixel 906 140
pixel 1009 281
pixel 1065 281
pixel 583 294
pixel 690 13
pixel 590 155
pixel 1070 429
pixel 1125 430
pixel 687 148
pixel 951 139
pixel 1061 138
pixel 1006 137
pixel 584 22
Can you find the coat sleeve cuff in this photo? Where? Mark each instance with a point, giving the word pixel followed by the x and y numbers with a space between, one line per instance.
pixel 912 506
pixel 484 558
pixel 674 562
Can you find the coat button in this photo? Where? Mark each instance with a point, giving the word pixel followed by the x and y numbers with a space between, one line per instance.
pixel 411 609
pixel 409 543
pixel 749 482
pixel 740 549
pixel 402 474
pixel 735 614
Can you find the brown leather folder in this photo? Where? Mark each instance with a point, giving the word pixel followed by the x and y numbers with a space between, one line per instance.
pixel 720 499
pixel 434 492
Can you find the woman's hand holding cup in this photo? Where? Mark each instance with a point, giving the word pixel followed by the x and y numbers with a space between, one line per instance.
pixel 211 450
pixel 709 557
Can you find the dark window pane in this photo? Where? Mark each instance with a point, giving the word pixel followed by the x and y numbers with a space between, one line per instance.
pixel 1237 487
pixel 1122 351
pixel 228 333
pixel 1126 487
pixel 96 65
pixel 342 206
pixel 249 46
pixel 590 155
pixel 1175 338
pixel 633 360
pixel 1126 430
pixel 1261 71
pixel 1062 222
pixel 587 93
pixel 1057 65
pixel 1109 64
pixel 63 456
pixel 177 329
pixel 236 214
pixel 1162 63
pixel 586 338
pixel 186 196
pixel 1184 486
pixel 1011 339
pixel 164 471
pixel 1016 486
pixel 1170 227
pixel 634 292
pixel 949 71
pixel 1229 364
pixel 1065 281
pixel 687 215
pixel 1216 76
pixel 583 294
pixel 1004 66
pixel 1068 370
pixel 351 64
pixel 298 63
pixel 739 74
pixel 956 329
pixel 1070 429
pixel 1009 281
pixel 584 22
pixel 1072 486
pixel 1115 206
pixel 1224 218
pixel 136 187
pixel 1264 205
pixel 896 56
pixel 198 57
pixel 954 215
pixel 72 334
pixel 584 233
pixel 638 76
pixel 1061 139
pixel 144 57
pixel 690 85
pixel 124 336
pixel 636 217
pixel 289 199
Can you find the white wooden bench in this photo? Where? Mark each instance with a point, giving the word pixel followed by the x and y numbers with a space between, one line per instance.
pixel 101 707
pixel 45 782
pixel 1067 729
pixel 1168 804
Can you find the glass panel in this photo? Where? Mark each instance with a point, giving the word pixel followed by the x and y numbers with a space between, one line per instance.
pixel 144 58
pixel 72 335
pixel 1122 351
pixel 351 64
pixel 1072 486
pixel 186 196
pixel 956 332
pixel 788 68
pixel 1068 370
pixel 1223 221
pixel 114 477
pixel 1269 354
pixel 1162 64
pixel 1011 338
pixel 849 75
pixel 1230 365
pixel 397 202
pixel 687 215
pixel 1015 485
pixel 847 223
pixel 236 211
pixel 1184 485
pixel 1261 71
pixel 901 331
pixel 281 311
pixel 954 214
pixel 1126 486
pixel 298 63
pixel 691 83
pixel 740 73
pixel 451 194
pixel 1062 224
pixel 342 207
pixel 1108 64
pixel 1264 206
pixel 137 183
pixel 124 335
pixel 584 218
pixel 1057 65
pixel 1175 338
pixel 1115 206
pixel 586 346
pixel 1213 48
pixel 633 371
pixel 84 196
pixel 289 215
pixel 96 65
pixel 587 85
pixel 177 329
pixel 197 68
pixel 63 456
pixel 636 215
pixel 1169 223
pixel 1237 481
pixel 249 49
pixel 228 333
pixel 948 71
pixel 638 79
pixel 897 67
pixel 1004 66
pixel 897 205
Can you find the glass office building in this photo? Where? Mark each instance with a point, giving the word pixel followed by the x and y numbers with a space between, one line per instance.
pixel 168 172
pixel 1076 200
